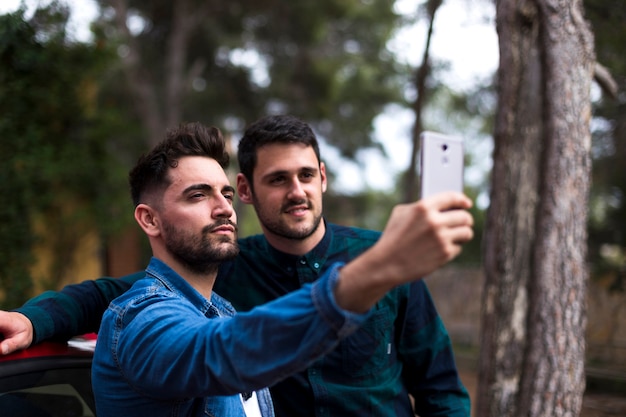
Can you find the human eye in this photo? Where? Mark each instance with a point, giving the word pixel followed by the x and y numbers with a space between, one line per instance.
pixel 196 195
pixel 307 175
pixel 277 180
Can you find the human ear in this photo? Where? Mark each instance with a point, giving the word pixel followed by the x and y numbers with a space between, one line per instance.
pixel 147 219
pixel 323 175
pixel 244 191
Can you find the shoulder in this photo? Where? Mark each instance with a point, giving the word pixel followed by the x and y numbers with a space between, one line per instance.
pixel 351 232
pixel 148 297
pixel 351 241
pixel 254 242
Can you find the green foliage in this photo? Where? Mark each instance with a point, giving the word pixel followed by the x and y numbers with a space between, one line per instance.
pixel 56 167
pixel 325 61
pixel 607 223
pixel 337 73
pixel 70 127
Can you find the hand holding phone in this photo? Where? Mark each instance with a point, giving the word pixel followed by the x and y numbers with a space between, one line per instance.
pixel 441 163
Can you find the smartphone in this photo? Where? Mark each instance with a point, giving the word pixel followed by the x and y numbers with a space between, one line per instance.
pixel 441 163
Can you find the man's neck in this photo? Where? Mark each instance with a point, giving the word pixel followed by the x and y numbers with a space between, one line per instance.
pixel 203 283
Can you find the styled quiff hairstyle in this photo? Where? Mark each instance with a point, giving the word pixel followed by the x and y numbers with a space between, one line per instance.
pixel 150 174
pixel 268 130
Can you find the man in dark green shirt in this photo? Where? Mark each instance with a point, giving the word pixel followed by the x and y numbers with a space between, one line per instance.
pixel 402 349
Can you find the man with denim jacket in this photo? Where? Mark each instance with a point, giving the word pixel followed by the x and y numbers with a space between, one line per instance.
pixel 402 348
pixel 172 347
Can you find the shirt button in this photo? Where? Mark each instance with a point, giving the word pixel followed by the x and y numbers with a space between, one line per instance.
pixel 316 265
pixel 303 261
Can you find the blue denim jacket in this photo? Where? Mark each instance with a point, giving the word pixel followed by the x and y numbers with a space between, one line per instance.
pixel 164 350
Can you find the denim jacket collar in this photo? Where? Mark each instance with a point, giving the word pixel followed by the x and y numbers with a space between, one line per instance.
pixel 216 306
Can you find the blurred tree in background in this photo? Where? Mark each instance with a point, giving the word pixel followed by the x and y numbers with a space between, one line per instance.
pixel 229 63
pixel 81 113
pixel 56 174
pixel 607 226
pixel 76 115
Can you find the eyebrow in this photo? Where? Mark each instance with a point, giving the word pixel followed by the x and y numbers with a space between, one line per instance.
pixel 305 168
pixel 207 187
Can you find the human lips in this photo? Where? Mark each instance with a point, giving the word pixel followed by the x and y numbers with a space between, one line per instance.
pixel 299 210
pixel 223 228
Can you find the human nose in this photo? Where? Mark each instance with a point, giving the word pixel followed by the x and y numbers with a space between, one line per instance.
pixel 296 190
pixel 223 207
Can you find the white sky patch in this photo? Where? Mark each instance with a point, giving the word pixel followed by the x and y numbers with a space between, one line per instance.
pixel 254 62
pixel 464 34
pixel 83 13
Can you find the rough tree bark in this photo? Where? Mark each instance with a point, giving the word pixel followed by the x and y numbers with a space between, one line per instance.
pixel 533 320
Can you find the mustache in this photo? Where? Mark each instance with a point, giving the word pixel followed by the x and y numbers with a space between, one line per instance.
pixel 291 204
pixel 219 223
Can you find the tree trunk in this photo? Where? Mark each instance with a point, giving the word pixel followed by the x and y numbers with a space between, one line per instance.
pixel 421 75
pixel 532 358
pixel 158 99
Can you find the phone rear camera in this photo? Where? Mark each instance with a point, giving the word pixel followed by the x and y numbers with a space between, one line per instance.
pixel 444 147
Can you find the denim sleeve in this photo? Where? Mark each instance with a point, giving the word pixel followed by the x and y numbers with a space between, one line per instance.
pixel 426 351
pixel 166 350
pixel 76 309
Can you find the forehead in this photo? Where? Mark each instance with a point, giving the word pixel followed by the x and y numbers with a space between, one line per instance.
pixel 285 157
pixel 197 170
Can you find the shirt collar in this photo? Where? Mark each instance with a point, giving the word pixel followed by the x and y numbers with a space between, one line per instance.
pixel 160 271
pixel 317 256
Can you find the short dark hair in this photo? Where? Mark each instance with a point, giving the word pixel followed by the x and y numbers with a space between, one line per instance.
pixel 187 139
pixel 269 130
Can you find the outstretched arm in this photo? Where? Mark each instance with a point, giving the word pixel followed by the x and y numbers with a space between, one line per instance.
pixel 74 310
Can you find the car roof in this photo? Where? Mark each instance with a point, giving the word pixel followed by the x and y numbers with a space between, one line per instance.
pixel 77 352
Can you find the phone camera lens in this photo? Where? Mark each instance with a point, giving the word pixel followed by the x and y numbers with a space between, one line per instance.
pixel 444 147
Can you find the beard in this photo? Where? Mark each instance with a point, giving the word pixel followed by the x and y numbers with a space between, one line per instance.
pixel 275 225
pixel 201 253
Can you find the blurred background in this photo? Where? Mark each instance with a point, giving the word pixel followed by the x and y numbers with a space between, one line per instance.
pixel 86 86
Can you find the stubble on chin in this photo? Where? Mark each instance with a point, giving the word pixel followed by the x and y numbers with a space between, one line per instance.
pixel 297 231
pixel 203 255
pixel 284 225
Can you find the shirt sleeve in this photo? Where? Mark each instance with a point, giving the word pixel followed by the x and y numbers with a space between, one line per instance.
pixel 429 367
pixel 166 350
pixel 76 309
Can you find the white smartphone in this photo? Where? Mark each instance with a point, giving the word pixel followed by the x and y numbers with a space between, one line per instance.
pixel 441 163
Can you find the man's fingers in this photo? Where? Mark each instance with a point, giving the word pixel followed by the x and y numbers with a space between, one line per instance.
pixel 458 218
pixel 16 330
pixel 11 345
pixel 449 201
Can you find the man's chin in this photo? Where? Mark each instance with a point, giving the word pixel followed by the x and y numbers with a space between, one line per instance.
pixel 229 252
pixel 298 233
